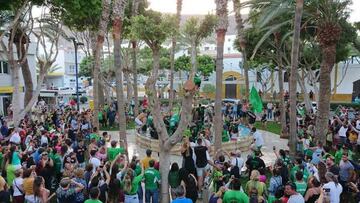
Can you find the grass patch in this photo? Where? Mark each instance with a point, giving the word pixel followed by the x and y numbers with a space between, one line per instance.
pixel 271 126
pixel 129 126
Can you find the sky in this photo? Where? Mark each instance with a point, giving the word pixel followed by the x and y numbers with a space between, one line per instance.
pixel 206 6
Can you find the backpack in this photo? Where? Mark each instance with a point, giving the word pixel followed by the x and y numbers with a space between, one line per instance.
pixel 279 190
pixel 235 171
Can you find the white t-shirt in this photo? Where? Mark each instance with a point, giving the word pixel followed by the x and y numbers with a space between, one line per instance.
pixel 240 162
pixel 358 124
pixel 335 191
pixel 297 198
pixel 18 184
pixel 342 131
pixel 259 141
pixel 15 138
pixel 44 140
pixel 95 162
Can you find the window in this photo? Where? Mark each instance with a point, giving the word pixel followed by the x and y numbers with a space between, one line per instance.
pixel 207 48
pixel 229 49
pixel 258 77
pixel 71 68
pixel 286 76
pixel 4 67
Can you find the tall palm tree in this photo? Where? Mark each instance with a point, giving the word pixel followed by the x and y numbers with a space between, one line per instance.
pixel 222 15
pixel 134 12
pixel 242 43
pixel 293 74
pixel 329 13
pixel 280 65
pixel 172 57
pixel 103 23
pixel 118 16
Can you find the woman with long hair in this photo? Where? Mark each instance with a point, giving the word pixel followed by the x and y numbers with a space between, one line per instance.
pixel 131 185
pixel 313 191
pixel 254 186
pixel 189 182
pixel 333 187
pixel 173 176
pixel 187 154
pixel 41 194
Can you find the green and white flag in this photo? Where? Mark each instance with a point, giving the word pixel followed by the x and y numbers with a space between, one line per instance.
pixel 255 101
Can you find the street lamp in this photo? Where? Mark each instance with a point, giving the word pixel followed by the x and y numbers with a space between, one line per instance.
pixel 76 44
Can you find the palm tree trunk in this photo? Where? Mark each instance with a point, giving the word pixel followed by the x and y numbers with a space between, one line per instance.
pixel 117 27
pixel 293 75
pixel 128 86
pixel 220 36
pixel 98 47
pixel 284 132
pixel 242 43
pixel 134 12
pixel 328 61
pixel 135 87
pixel 172 57
pixel 246 74
pixel 222 24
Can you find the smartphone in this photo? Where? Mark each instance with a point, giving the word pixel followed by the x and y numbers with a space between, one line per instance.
pixel 274 148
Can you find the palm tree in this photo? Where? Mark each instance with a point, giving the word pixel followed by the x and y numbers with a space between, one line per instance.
pixel 242 43
pixel 134 12
pixel 293 74
pixel 103 23
pixel 329 13
pixel 172 57
pixel 222 14
pixel 118 15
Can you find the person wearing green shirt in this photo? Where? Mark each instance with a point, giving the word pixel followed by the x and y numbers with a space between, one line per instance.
pixel 57 161
pixel 235 195
pixel 173 176
pixel 298 167
pixel 152 179
pixel 113 151
pixel 130 186
pixel 301 185
pixel 95 135
pixel 94 196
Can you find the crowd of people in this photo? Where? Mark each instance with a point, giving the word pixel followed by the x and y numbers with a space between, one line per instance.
pixel 58 156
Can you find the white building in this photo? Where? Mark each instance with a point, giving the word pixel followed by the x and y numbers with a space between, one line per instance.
pixel 6 82
pixel 65 73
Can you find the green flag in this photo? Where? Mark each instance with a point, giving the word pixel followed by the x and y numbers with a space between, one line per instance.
pixel 255 101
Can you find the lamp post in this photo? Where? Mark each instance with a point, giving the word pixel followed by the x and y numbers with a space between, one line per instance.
pixel 76 44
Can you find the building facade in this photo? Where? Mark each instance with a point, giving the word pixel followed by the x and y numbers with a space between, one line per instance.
pixel 6 81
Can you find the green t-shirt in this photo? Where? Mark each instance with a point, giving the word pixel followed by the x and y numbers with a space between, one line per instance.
pixel 100 116
pixel 301 187
pixel 296 169
pixel 57 162
pixel 174 179
pixel 235 196
pixel 134 185
pixel 138 169
pixel 94 136
pixel 15 159
pixel 93 201
pixel 113 152
pixel 10 174
pixel 152 178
